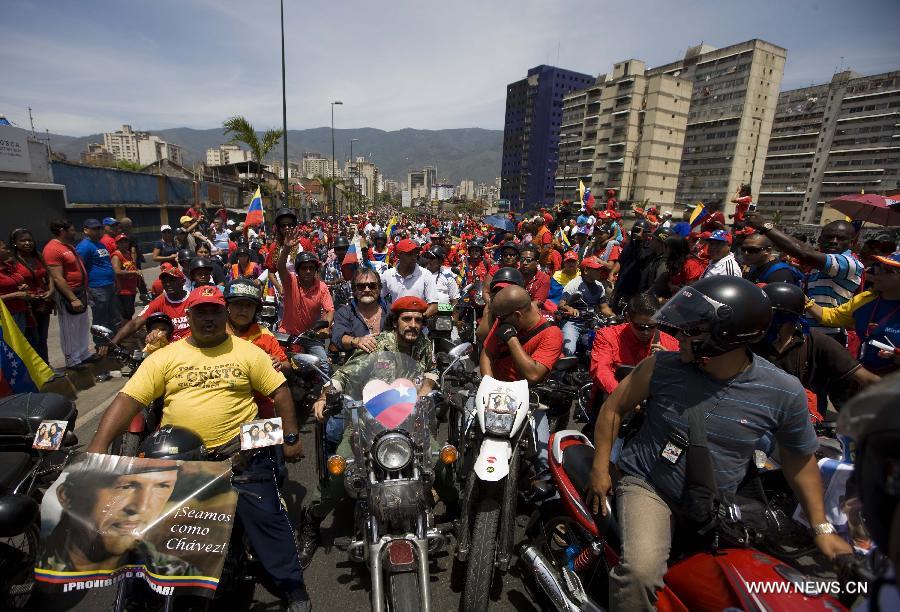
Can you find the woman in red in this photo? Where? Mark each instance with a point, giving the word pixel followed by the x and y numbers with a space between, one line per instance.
pixel 682 267
pixel 127 276
pixel 14 291
pixel 39 287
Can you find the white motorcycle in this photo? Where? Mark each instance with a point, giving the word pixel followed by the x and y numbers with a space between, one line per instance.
pixel 493 454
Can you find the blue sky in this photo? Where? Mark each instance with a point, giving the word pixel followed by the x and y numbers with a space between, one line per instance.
pixel 91 65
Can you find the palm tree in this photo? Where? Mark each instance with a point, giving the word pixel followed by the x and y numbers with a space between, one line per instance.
pixel 327 182
pixel 242 131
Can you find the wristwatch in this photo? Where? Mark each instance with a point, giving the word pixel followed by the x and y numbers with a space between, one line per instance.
pixel 292 438
pixel 823 529
pixel 766 228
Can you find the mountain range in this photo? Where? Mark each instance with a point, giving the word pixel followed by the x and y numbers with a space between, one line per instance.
pixel 468 153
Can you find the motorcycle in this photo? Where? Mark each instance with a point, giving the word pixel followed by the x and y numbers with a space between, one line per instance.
pixel 268 314
pixel 25 473
pixel 491 468
pixel 578 549
pixel 471 308
pixel 440 328
pixel 149 418
pixel 391 472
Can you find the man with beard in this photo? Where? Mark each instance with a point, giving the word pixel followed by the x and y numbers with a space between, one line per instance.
pixel 404 335
pixel 106 516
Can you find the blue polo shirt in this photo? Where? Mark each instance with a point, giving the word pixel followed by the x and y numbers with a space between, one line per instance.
pixel 97 263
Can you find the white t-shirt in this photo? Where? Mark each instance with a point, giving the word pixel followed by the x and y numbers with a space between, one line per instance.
pixel 727 266
pixel 446 286
pixel 420 284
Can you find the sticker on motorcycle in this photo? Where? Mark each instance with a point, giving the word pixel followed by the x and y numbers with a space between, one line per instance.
pixel 390 404
pixel 49 435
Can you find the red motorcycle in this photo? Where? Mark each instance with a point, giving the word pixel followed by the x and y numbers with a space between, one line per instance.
pixel 577 550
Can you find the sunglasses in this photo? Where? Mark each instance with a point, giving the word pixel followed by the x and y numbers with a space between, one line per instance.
pixel 752 249
pixel 287 225
pixel 646 327
pixel 365 286
pixel 528 259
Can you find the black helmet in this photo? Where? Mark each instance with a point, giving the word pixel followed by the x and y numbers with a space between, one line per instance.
pixel 871 419
pixel 185 255
pixel 305 257
pixel 158 318
pixel 477 243
pixel 285 212
pixel 198 263
pixel 643 224
pixel 507 275
pixel 509 245
pixel 173 442
pixel 436 251
pixel 379 235
pixel 341 243
pixel 241 288
pixel 242 251
pixel 786 297
pixel 733 311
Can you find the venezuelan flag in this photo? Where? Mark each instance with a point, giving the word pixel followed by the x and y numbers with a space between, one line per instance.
pixel 21 369
pixel 581 189
pixel 700 213
pixel 587 198
pixel 353 259
pixel 390 228
pixel 255 212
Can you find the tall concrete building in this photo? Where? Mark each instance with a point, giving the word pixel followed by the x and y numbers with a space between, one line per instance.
pixel 572 164
pixel 467 189
pixel 420 182
pixel 226 154
pixel 141 147
pixel 735 92
pixel 531 131
pixel 830 140
pixel 318 166
pixel 631 135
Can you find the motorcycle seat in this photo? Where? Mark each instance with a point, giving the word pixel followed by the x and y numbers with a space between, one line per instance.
pixel 577 461
pixel 12 468
pixel 21 414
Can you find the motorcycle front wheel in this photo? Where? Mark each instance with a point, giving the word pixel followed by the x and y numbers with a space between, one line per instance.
pixel 480 570
pixel 403 592
pixel 17 558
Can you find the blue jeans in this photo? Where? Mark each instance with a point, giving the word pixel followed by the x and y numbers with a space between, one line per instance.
pixel 317 349
pixel 334 431
pixel 572 336
pixel 104 309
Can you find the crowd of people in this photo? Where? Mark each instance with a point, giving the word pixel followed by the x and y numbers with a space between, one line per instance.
pixel 374 279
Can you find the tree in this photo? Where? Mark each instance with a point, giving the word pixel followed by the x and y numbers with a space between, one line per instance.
pixel 242 131
pixel 327 182
pixel 124 164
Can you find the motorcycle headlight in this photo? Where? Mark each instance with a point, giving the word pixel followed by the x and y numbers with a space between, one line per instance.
pixel 393 452
pixel 498 423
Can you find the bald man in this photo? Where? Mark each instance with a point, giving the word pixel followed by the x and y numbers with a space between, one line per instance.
pixel 838 272
pixel 522 345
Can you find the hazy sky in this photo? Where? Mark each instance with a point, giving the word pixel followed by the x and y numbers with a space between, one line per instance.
pixel 91 65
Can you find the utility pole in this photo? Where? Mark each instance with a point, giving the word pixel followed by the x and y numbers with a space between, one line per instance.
pixel 284 112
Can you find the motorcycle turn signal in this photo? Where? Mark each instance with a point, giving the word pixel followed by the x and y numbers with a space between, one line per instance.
pixel 449 454
pixel 336 465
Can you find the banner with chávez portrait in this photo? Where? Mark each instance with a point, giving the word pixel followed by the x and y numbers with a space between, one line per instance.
pixel 110 518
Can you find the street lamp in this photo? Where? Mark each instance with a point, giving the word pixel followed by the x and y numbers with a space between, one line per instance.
pixel 353 165
pixel 284 111
pixel 333 161
pixel 566 162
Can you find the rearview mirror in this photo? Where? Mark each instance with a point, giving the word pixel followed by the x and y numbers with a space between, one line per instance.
pixel 99 330
pixel 305 359
pixel 461 350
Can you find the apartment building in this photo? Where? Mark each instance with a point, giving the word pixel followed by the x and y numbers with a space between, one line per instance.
pixel 141 147
pixel 732 108
pixel 830 140
pixel 571 134
pixel 226 154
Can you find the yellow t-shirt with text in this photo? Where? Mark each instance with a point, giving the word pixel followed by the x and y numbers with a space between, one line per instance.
pixel 208 390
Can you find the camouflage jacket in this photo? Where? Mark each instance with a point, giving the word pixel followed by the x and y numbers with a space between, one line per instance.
pixel 362 366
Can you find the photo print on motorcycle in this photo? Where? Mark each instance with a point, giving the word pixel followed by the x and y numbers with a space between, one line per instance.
pixel 261 432
pixel 109 518
pixel 49 435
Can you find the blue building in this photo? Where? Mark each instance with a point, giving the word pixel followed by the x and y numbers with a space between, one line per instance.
pixel 531 134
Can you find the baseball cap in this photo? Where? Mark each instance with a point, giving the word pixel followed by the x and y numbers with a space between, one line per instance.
pixel 170 270
pixel 91 224
pixel 110 221
pixel 720 235
pixel 406 246
pixel 591 262
pixel 409 302
pixel 186 219
pixel 207 294
pixel 548 218
pixel 165 228
pixel 891 261
pixel 570 255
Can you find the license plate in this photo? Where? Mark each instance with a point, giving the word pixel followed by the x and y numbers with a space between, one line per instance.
pixel 445 307
pixel 443 324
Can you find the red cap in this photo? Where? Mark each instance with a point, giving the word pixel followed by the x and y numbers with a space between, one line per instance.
pixel 591 262
pixel 548 218
pixel 207 294
pixel 570 255
pixel 170 270
pixel 409 302
pixel 406 246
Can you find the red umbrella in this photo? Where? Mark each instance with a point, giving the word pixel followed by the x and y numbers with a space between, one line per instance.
pixel 870 207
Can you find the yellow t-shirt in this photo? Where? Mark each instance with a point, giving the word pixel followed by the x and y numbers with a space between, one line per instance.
pixel 210 390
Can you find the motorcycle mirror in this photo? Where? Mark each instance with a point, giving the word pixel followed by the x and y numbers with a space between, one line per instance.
pixel 461 350
pixel 99 330
pixel 70 439
pixel 467 288
pixel 305 359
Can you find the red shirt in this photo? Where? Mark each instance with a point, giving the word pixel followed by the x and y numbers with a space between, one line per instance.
pixel 617 345
pixel 614 252
pixel 690 271
pixel 193 213
pixel 554 262
pixel 538 287
pixel 303 307
pixel 109 242
pixel 713 222
pixel 58 254
pixel 545 348
pixel 37 277
pixel 12 277
pixel 127 285
pixel 175 310
pixel 743 204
